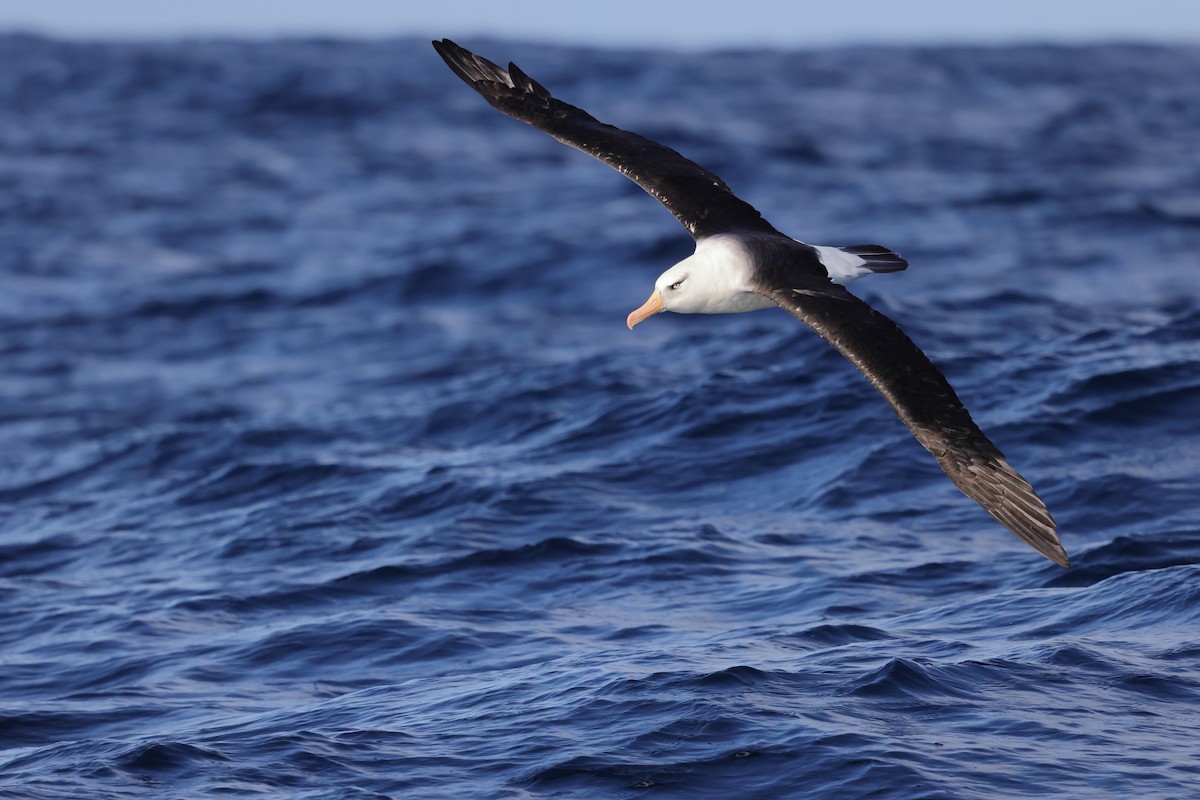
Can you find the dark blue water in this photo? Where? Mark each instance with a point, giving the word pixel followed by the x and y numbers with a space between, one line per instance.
pixel 328 468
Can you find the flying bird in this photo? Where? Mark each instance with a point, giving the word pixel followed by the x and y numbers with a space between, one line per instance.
pixel 742 263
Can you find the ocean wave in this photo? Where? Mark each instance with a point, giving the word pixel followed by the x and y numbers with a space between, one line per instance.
pixel 327 465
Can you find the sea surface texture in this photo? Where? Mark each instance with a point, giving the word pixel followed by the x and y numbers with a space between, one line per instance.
pixel 328 468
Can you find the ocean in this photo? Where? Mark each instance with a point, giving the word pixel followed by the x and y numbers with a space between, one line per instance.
pixel 328 468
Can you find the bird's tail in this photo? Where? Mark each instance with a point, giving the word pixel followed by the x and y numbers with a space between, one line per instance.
pixel 877 257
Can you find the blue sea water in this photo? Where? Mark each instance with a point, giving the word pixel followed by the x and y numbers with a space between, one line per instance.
pixel 329 470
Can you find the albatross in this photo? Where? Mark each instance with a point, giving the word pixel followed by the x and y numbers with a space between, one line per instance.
pixel 742 263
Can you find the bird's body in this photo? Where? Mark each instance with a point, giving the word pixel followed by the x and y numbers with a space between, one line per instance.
pixel 742 263
pixel 723 275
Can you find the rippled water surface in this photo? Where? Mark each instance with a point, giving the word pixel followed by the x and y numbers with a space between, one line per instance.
pixel 328 468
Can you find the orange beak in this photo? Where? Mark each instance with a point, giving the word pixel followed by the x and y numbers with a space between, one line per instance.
pixel 648 309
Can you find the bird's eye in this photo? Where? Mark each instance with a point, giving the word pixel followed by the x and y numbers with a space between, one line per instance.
pixel 675 285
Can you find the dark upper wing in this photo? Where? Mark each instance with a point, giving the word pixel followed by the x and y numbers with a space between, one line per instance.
pixel 924 401
pixel 697 197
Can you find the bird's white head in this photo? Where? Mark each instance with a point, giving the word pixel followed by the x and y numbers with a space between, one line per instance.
pixel 713 280
pixel 673 291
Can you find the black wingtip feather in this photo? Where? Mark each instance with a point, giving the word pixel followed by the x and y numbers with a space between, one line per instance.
pixel 1009 499
pixel 1041 536
pixel 522 81
pixel 471 68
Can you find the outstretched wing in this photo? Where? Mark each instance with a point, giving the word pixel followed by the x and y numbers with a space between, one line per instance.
pixel 923 399
pixel 698 198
